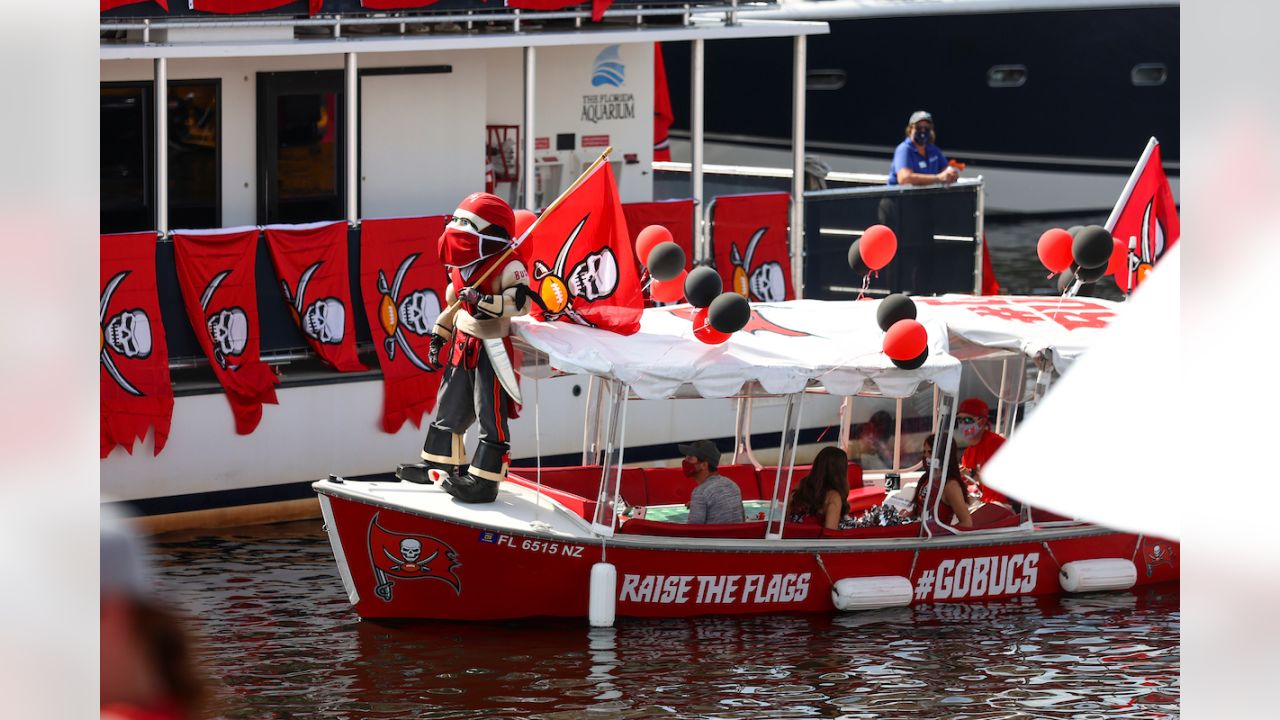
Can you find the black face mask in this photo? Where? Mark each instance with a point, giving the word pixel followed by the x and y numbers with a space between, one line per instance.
pixel 921 137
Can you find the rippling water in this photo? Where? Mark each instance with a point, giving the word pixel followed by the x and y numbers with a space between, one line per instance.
pixel 282 642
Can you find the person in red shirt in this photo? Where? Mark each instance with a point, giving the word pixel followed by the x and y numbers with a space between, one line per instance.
pixel 974 434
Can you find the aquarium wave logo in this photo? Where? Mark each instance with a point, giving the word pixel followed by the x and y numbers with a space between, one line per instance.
pixel 608 68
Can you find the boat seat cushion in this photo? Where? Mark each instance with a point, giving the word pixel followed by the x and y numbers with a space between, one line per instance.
pixel 768 476
pixel 584 481
pixel 744 530
pixel 584 508
pixel 744 476
pixel 992 515
pixel 667 486
pixel 892 531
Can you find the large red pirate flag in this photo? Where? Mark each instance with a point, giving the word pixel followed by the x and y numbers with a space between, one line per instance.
pixel 216 274
pixel 401 556
pixel 582 262
pixel 674 215
pixel 239 7
pixel 136 393
pixel 749 243
pixel 1145 211
pixel 311 262
pixel 403 284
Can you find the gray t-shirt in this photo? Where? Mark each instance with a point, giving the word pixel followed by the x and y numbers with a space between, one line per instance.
pixel 716 500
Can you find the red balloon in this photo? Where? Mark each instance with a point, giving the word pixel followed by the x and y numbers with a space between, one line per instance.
pixel 1119 262
pixel 877 246
pixel 648 238
pixel 524 218
pixel 1054 249
pixel 905 340
pixel 669 290
pixel 703 331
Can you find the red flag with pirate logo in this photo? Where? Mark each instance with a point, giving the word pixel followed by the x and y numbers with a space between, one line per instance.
pixel 1145 211
pixel 239 7
pixel 403 556
pixel 582 262
pixel 216 273
pixel 311 263
pixel 674 215
pixel 749 241
pixel 136 393
pixel 403 284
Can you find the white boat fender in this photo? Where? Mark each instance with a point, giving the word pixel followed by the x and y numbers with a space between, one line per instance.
pixel 871 593
pixel 1096 575
pixel 604 593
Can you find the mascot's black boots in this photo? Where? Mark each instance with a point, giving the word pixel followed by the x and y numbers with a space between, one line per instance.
pixel 471 489
pixel 424 473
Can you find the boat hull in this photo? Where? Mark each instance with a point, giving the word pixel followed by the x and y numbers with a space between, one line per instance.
pixel 494 573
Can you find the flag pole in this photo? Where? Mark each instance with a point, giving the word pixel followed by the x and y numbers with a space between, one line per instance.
pixel 452 310
pixel 1128 186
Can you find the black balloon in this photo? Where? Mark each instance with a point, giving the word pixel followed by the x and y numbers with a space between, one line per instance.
pixel 729 312
pixel 1074 230
pixel 894 308
pixel 1065 279
pixel 666 260
pixel 1092 247
pixel 914 362
pixel 855 260
pixel 701 286
pixel 1091 275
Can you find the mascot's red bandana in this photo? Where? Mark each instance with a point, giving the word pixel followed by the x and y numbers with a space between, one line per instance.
pixel 480 227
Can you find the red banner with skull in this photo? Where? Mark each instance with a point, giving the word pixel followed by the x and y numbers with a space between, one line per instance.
pixel 311 263
pixel 402 556
pixel 749 243
pixel 582 260
pixel 135 393
pixel 216 273
pixel 403 283
pixel 239 7
pixel 674 215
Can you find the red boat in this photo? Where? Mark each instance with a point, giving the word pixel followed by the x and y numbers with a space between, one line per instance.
pixel 600 539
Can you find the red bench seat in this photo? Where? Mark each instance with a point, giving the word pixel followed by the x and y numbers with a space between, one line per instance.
pixel 744 530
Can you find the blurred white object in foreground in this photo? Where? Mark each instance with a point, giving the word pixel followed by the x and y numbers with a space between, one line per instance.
pixel 1103 446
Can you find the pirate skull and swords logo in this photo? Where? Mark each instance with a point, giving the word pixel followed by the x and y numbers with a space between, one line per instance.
pixel 416 313
pixel 1151 245
pixel 325 319
pixel 127 333
pixel 765 283
pixel 595 277
pixel 228 327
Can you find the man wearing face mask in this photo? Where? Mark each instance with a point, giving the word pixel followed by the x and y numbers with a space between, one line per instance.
pixel 474 388
pixel 916 160
pixel 716 499
pixel 973 433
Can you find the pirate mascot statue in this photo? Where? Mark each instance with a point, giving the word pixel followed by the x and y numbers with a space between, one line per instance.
pixel 487 287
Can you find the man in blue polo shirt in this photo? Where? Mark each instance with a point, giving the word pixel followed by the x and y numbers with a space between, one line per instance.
pixel 917 161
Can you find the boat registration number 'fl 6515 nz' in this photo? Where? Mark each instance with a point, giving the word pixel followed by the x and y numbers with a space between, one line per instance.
pixel 715 589
pixel 979 577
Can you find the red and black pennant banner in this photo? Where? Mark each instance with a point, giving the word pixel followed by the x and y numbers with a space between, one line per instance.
pixel 674 215
pixel 311 264
pixel 395 4
pixel 113 4
pixel 240 7
pixel 135 390
pixel 749 243
pixel 403 284
pixel 216 274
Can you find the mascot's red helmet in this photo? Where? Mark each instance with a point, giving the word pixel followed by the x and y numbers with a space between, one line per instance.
pixel 481 226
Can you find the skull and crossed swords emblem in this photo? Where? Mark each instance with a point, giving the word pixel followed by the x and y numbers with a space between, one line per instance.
pixel 228 327
pixel 595 277
pixel 417 313
pixel 324 320
pixel 765 283
pixel 128 333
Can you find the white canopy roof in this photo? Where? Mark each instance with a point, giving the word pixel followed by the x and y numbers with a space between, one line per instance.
pixel 787 345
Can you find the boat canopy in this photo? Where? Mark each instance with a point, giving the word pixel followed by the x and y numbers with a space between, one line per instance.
pixel 790 346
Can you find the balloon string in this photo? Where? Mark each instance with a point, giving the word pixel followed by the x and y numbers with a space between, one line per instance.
pixel 866 283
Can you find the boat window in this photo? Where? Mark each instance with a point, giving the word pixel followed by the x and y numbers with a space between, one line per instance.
pixel 1007 76
pixel 825 80
pixel 301 147
pixel 1148 74
pixel 127 149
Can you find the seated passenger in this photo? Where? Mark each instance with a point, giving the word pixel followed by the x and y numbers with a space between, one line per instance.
pixel 823 494
pixel 954 503
pixel 716 499
pixel 980 442
pixel 874 445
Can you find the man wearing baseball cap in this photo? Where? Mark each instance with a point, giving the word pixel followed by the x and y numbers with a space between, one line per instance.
pixel 716 499
pixel 974 434
pixel 917 160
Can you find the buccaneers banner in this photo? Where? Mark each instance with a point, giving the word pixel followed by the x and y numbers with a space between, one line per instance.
pixel 395 4
pixel 674 215
pixel 238 7
pixel 403 283
pixel 582 262
pixel 401 556
pixel 749 243
pixel 135 390
pixel 1145 211
pixel 311 263
pixel 597 6
pixel 113 4
pixel 216 275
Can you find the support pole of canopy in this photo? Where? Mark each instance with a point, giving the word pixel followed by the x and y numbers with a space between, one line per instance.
pixel 799 83
pixel 162 144
pixel 352 114
pixel 529 199
pixel 695 141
